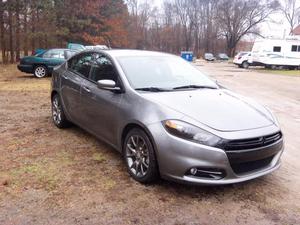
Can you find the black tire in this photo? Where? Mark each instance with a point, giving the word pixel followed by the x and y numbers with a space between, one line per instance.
pixel 130 158
pixel 240 66
pixel 40 71
pixel 58 116
pixel 292 67
pixel 245 65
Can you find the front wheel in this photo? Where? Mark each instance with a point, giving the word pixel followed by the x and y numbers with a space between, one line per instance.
pixel 58 115
pixel 40 71
pixel 245 65
pixel 140 157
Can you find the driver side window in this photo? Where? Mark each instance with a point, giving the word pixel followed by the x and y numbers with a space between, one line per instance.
pixel 81 64
pixel 102 69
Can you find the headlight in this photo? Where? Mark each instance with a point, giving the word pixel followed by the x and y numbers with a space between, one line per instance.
pixel 189 132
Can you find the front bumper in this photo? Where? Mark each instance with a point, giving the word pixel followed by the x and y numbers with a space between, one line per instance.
pixel 177 156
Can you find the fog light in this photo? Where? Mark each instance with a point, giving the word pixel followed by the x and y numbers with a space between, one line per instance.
pixel 193 171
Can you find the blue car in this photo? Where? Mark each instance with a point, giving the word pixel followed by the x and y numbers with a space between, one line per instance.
pixel 43 62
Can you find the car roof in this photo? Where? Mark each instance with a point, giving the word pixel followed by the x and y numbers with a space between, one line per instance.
pixel 62 49
pixel 129 52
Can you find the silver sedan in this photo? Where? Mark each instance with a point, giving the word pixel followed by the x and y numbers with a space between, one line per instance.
pixel 166 117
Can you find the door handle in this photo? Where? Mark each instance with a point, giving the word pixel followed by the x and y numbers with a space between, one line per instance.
pixel 65 76
pixel 86 89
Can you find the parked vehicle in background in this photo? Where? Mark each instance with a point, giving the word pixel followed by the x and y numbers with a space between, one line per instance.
pixel 223 57
pixel 39 51
pixel 280 53
pixel 170 120
pixel 93 47
pixel 76 47
pixel 43 63
pixel 209 57
pixel 80 47
pixel 241 59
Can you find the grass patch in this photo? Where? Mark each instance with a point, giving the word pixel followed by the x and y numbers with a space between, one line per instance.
pixel 98 157
pixel 280 72
pixel 46 174
pixel 25 86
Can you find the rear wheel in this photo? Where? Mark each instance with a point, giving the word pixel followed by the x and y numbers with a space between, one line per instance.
pixel 40 71
pixel 58 115
pixel 140 157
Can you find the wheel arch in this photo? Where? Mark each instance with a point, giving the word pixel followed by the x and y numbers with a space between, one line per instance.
pixel 39 64
pixel 54 92
pixel 133 125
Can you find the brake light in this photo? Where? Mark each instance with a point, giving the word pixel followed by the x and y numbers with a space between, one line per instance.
pixel 239 57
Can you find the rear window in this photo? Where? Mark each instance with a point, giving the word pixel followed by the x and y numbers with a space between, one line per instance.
pixel 54 53
pixel 242 53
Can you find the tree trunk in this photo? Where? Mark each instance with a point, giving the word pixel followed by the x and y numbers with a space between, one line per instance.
pixel 18 26
pixel 33 31
pixel 2 41
pixel 25 33
pixel 11 45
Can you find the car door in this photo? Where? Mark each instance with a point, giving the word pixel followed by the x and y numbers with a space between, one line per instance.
pixel 71 80
pixel 100 108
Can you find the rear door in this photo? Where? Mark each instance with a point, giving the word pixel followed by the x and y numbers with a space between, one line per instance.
pixel 78 70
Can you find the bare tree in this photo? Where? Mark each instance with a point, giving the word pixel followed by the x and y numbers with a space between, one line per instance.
pixel 238 18
pixel 18 29
pixel 2 41
pixel 291 12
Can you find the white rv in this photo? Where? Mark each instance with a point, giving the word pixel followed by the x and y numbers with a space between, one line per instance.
pixel 276 53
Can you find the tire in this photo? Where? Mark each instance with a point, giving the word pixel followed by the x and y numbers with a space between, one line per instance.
pixel 240 66
pixel 245 65
pixel 58 115
pixel 292 67
pixel 139 156
pixel 40 71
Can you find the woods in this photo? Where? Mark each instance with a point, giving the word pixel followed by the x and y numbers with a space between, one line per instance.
pixel 197 25
pixel 30 24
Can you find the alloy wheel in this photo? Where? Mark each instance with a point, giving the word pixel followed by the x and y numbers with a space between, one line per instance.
pixel 56 110
pixel 137 155
pixel 40 72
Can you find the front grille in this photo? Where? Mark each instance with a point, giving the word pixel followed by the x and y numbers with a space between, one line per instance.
pixel 245 167
pixel 251 143
pixel 247 155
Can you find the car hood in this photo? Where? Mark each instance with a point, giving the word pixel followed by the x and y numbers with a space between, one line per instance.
pixel 218 109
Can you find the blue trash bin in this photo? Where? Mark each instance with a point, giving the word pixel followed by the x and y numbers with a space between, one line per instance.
pixel 188 56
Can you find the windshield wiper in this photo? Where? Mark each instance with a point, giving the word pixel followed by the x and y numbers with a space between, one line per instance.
pixel 152 89
pixel 194 87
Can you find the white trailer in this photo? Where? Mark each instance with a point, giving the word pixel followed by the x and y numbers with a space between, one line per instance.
pixel 273 53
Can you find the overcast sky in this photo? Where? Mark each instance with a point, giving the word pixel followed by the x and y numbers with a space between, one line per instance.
pixel 279 28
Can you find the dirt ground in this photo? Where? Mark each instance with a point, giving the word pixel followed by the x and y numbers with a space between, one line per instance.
pixel 52 176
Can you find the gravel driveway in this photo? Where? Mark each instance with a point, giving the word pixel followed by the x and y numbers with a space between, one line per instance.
pixel 51 176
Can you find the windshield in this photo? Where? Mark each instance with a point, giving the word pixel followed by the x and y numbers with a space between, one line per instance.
pixel 209 55
pixel 167 72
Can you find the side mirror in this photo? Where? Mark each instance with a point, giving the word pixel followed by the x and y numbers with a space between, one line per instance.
pixel 109 85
